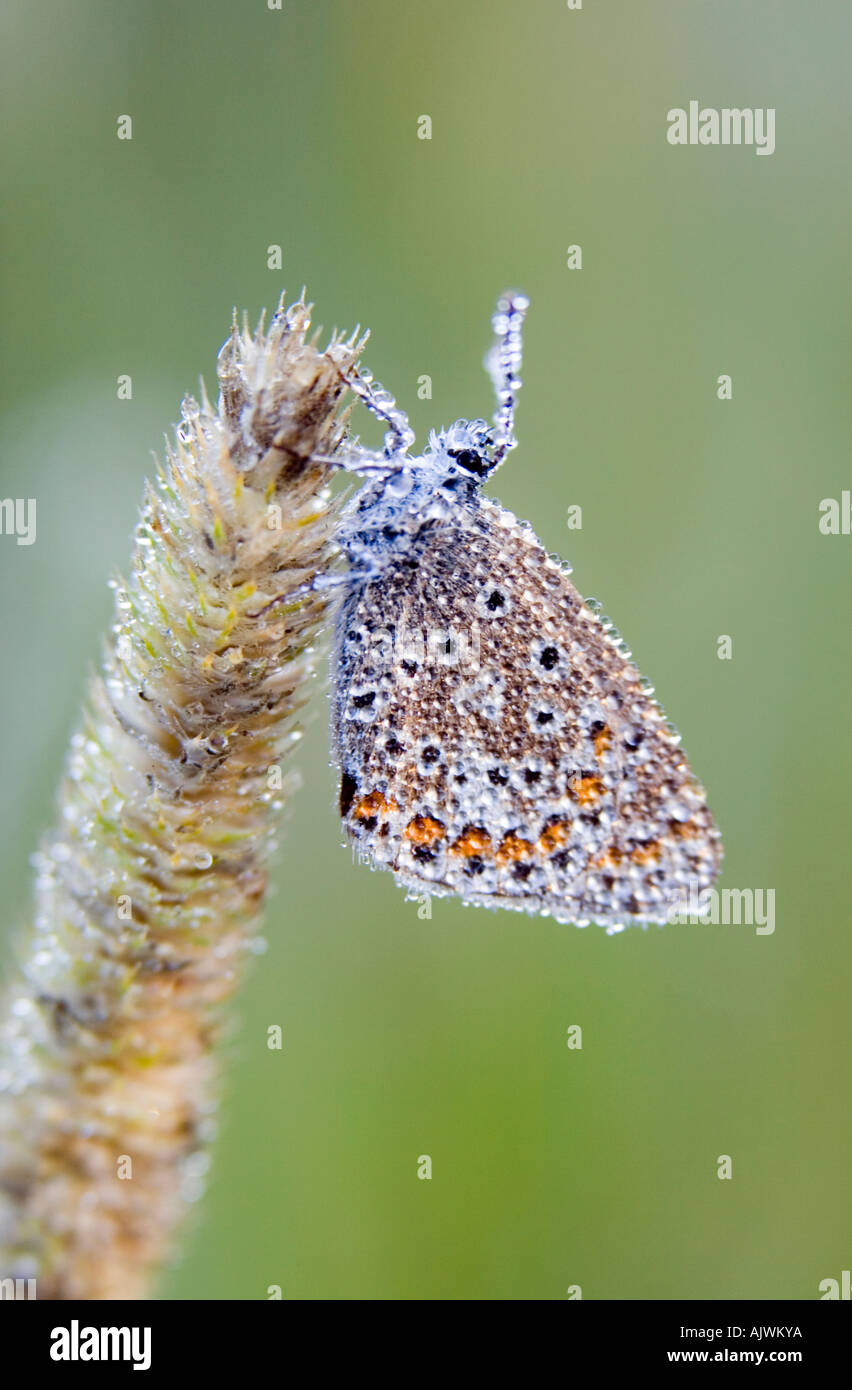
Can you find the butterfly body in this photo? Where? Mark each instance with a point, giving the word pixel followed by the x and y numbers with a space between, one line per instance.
pixel 495 741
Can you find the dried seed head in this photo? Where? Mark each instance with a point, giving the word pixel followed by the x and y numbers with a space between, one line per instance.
pixel 148 890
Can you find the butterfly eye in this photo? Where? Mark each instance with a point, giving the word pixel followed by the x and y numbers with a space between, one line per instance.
pixel 473 462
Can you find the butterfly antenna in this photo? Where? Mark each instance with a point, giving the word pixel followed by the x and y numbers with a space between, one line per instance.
pixel 503 363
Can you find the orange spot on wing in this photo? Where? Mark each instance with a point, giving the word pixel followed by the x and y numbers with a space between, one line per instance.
pixel 646 854
pixel 554 836
pixel 610 859
pixel 602 742
pixel 684 829
pixel 373 804
pixel 587 790
pixel 473 841
pixel 512 848
pixel 423 830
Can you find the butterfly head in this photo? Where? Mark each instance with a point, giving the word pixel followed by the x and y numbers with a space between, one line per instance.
pixel 466 451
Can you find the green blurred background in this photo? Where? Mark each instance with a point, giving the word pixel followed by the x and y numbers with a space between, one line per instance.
pixel 552 1167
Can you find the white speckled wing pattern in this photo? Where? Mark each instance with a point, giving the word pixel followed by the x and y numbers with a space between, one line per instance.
pixel 495 742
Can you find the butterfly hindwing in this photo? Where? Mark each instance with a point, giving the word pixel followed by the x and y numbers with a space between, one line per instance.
pixel 495 742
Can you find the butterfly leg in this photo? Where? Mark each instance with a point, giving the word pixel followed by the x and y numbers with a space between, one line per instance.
pixel 400 435
pixel 321 583
pixel 342 579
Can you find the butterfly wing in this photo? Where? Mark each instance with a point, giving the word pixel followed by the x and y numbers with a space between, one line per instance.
pixel 495 741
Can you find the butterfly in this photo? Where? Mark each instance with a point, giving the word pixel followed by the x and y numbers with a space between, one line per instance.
pixel 494 739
